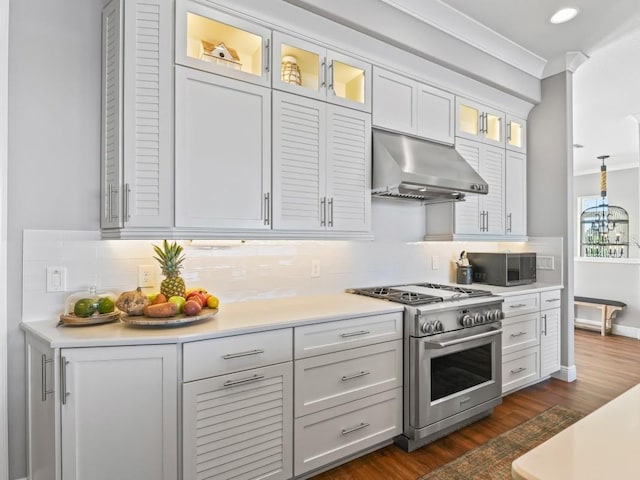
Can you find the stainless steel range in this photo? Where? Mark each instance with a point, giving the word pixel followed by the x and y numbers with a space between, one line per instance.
pixel 452 357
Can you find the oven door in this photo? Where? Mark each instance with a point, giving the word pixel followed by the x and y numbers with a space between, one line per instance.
pixel 453 372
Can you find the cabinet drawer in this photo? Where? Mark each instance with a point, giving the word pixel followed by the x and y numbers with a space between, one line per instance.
pixel 219 356
pixel 520 368
pixel 521 304
pixel 550 299
pixel 343 334
pixel 329 435
pixel 521 331
pixel 329 380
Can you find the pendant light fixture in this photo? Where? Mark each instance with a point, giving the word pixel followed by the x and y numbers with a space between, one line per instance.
pixel 604 228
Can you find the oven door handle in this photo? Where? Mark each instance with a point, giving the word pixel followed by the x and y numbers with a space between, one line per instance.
pixel 439 345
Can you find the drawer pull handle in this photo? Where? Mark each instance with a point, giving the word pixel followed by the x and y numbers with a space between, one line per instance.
pixel 355 375
pixel 43 367
pixel 252 378
pixel 550 300
pixel 518 305
pixel 519 334
pixel 518 370
pixel 353 429
pixel 355 334
pixel 229 356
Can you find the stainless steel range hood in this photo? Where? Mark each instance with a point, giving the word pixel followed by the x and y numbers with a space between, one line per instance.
pixel 413 168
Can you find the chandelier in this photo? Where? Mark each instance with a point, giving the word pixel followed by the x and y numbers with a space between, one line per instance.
pixel 604 228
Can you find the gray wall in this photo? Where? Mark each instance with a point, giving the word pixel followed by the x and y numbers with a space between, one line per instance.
pixel 550 185
pixel 54 134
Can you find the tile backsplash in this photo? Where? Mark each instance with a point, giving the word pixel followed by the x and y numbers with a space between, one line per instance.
pixel 235 271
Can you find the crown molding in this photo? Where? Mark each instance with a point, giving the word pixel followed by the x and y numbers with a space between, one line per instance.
pixel 465 29
pixel 570 61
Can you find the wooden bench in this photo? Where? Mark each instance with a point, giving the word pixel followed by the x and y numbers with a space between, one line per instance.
pixel 608 308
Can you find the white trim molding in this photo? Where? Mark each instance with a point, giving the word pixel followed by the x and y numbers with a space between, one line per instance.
pixel 4 108
pixel 566 374
pixel 570 61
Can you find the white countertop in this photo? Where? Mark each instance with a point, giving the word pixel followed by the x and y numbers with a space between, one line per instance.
pixel 518 289
pixel 232 319
pixel 600 446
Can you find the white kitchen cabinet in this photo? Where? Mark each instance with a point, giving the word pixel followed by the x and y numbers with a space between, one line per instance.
pixel 210 40
pixel 43 425
pixel 407 106
pixel 321 165
pixel 515 194
pixel 238 422
pixel 102 412
pixel 309 69
pixel 550 317
pixel 476 121
pixel 137 115
pixel 223 152
pixel 516 134
pixel 482 214
pixel 118 413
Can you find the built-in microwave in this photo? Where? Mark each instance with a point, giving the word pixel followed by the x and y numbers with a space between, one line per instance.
pixel 503 269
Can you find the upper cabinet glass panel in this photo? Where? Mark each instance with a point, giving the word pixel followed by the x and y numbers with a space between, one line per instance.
pixel 493 127
pixel 516 134
pixel 349 81
pixel 468 119
pixel 479 122
pixel 214 41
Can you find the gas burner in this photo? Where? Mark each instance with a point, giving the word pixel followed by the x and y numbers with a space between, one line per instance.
pixel 421 293
pixel 381 290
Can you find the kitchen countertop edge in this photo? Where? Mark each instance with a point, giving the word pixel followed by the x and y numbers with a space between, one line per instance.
pixel 232 319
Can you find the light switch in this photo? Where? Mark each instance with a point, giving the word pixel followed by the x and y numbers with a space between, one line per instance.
pixel 56 279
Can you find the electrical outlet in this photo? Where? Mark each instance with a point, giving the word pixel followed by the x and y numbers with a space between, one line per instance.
pixel 315 268
pixel 435 262
pixel 544 263
pixel 145 276
pixel 56 279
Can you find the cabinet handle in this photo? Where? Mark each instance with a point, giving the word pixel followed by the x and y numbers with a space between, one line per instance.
pixel 127 191
pixel 63 380
pixel 331 78
pixel 353 429
pixel 544 317
pixel 330 216
pixel 267 208
pixel 229 356
pixel 550 300
pixel 486 217
pixel 509 132
pixel 43 366
pixel 323 73
pixel 355 375
pixel 323 211
pixel 519 334
pixel 267 54
pixel 252 378
pixel 509 222
pixel 518 370
pixel 518 305
pixel 355 334
pixel 112 211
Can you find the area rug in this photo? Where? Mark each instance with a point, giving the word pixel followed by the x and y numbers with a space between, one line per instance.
pixel 493 459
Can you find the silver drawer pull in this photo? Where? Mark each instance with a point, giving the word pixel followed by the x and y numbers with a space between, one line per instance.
pixel 355 334
pixel 253 378
pixel 43 367
pixel 519 334
pixel 242 354
pixel 549 300
pixel 353 429
pixel 355 375
pixel 518 370
pixel 518 305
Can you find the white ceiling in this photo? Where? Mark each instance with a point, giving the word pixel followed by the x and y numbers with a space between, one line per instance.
pixel 606 86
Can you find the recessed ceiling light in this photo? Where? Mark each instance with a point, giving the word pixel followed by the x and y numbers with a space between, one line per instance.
pixel 564 15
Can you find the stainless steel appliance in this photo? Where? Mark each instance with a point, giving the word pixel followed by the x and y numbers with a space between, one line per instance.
pixel 452 357
pixel 503 269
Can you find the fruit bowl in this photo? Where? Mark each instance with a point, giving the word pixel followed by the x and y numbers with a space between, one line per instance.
pixel 95 319
pixel 90 302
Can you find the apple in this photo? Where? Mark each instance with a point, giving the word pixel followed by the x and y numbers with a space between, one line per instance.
pixel 178 300
pixel 198 297
pixel 191 308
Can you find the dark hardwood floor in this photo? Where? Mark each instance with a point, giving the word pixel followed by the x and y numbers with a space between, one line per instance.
pixel 606 366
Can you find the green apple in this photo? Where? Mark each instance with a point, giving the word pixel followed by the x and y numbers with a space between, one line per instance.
pixel 178 300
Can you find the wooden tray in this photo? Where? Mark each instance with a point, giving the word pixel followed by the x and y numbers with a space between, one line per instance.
pixel 71 319
pixel 176 320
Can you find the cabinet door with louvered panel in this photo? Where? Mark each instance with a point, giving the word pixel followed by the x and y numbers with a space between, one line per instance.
pixel 348 169
pixel 239 426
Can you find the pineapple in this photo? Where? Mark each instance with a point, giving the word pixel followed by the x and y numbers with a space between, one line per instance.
pixel 170 258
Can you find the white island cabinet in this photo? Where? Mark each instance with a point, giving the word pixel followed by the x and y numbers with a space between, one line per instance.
pixel 102 412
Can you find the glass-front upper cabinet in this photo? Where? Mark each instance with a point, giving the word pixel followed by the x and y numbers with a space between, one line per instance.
pixel 214 41
pixel 311 70
pixel 516 134
pixel 479 122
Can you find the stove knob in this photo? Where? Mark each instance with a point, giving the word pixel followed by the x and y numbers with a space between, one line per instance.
pixel 479 318
pixel 438 327
pixel 492 315
pixel 466 320
pixel 499 315
pixel 427 328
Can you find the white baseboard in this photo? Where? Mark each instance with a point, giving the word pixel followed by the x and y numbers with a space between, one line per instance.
pixel 566 374
pixel 622 330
